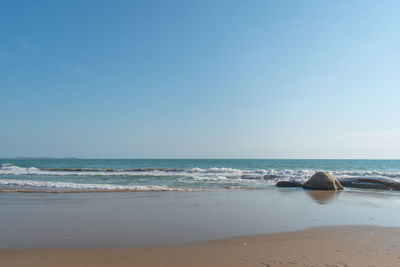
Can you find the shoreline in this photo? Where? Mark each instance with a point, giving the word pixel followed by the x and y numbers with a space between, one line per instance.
pixel 317 246
pixel 359 190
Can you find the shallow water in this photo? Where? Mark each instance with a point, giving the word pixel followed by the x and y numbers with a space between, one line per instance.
pixel 154 218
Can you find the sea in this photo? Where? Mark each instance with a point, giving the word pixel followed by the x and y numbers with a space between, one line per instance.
pixel 102 175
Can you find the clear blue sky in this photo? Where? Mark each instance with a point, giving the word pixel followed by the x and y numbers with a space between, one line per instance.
pixel 200 79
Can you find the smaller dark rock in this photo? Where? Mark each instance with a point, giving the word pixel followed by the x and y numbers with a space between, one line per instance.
pixel 372 183
pixel 289 184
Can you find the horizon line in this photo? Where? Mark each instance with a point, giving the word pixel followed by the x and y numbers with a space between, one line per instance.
pixel 84 158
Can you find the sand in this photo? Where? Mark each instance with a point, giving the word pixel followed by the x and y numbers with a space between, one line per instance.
pixel 140 219
pixel 249 228
pixel 321 246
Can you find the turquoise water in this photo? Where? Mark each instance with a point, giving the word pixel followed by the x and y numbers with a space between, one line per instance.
pixel 176 174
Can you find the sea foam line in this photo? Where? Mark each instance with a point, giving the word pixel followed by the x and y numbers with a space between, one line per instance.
pixel 79 186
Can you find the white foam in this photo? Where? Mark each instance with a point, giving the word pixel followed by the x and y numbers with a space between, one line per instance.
pixel 79 186
pixel 8 169
pixel 12 169
pixel 217 170
pixel 211 175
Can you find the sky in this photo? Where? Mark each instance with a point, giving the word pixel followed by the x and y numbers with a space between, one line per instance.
pixel 200 79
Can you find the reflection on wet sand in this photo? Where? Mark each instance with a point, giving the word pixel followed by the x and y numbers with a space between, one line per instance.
pixel 323 196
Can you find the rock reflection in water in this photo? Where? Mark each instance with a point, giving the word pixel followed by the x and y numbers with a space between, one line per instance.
pixel 323 196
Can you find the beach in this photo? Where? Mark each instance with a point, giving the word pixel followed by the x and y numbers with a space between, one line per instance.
pixel 276 227
pixel 172 213
pixel 326 246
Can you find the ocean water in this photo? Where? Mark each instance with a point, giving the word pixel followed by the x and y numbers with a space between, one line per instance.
pixel 61 175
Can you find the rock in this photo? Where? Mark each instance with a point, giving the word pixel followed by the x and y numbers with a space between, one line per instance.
pixel 289 184
pixel 372 183
pixel 323 181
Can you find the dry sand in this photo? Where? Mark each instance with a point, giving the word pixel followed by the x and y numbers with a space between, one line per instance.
pixel 323 246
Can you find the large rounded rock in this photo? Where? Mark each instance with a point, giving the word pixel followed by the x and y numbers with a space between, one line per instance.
pixel 323 181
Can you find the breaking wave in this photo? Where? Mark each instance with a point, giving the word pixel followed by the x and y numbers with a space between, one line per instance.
pixel 79 186
pixel 168 179
pixel 219 173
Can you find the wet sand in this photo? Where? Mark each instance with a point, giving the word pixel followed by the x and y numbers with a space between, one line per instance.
pixel 324 246
pixel 174 228
pixel 132 219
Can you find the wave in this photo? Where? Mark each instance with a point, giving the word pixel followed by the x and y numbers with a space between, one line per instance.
pixel 214 173
pixel 17 178
pixel 68 186
pixel 8 169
